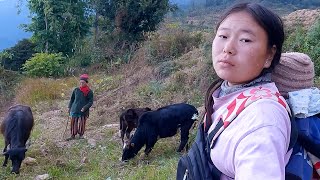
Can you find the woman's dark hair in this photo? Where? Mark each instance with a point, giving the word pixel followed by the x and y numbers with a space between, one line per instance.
pixel 270 22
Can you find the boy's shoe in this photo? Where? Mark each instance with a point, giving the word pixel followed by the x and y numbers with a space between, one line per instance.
pixel 81 137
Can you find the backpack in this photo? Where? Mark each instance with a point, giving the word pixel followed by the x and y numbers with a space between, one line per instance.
pixel 197 164
pixel 306 152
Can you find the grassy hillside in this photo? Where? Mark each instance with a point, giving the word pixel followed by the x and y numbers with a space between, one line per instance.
pixel 173 66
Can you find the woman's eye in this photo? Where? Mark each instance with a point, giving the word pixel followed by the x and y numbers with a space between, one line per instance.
pixel 222 36
pixel 245 40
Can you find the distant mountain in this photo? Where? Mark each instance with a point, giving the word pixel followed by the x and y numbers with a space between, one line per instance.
pixel 10 20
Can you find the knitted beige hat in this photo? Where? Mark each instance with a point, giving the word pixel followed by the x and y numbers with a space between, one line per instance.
pixel 295 71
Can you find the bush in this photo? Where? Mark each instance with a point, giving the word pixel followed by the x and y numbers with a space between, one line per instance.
pixel 8 82
pixel 153 88
pixel 109 50
pixel 86 53
pixel 169 46
pixel 45 65
pixel 306 41
pixel 165 69
pixel 14 57
pixel 296 40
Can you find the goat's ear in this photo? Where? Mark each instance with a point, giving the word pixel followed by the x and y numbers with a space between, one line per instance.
pixel 132 144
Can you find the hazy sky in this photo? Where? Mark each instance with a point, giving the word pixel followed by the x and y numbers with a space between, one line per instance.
pixel 10 20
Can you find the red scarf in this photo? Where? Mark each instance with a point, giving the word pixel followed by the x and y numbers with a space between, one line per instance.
pixel 85 90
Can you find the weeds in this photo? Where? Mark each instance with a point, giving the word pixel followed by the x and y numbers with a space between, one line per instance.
pixel 306 41
pixel 183 79
pixel 43 89
pixel 169 46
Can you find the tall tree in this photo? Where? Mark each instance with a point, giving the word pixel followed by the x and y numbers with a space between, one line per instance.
pixel 58 24
pixel 14 57
pixel 129 19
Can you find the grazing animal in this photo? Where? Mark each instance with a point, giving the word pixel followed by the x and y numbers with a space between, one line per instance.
pixel 129 120
pixel 16 129
pixel 163 122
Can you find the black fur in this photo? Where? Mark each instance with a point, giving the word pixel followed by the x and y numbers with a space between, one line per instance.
pixel 16 129
pixel 163 122
pixel 129 120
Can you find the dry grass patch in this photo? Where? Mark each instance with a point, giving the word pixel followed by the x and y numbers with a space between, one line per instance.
pixel 32 91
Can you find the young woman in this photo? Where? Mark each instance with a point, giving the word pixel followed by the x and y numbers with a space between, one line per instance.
pixel 246 47
pixel 80 102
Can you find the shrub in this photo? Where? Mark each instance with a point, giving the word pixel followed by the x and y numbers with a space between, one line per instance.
pixel 313 45
pixel 45 65
pixel 8 82
pixel 150 89
pixel 106 83
pixel 169 46
pixel 14 57
pixel 296 40
pixel 165 69
pixel 306 41
pixel 109 50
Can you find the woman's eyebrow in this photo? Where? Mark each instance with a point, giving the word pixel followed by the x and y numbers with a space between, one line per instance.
pixel 248 31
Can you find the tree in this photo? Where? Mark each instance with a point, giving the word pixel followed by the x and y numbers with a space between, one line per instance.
pixel 14 57
pixel 58 24
pixel 130 19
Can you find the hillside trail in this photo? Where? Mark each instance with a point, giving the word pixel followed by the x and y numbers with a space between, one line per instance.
pixel 52 121
pixel 55 127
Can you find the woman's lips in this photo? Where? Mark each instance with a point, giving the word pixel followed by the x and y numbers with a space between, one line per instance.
pixel 225 63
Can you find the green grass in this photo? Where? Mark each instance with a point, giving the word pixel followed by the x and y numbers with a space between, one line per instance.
pixel 103 161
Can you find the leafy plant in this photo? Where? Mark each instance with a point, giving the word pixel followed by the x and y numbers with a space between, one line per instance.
pixel 45 65
pixel 306 41
pixel 14 57
pixel 166 68
pixel 8 83
pixel 169 46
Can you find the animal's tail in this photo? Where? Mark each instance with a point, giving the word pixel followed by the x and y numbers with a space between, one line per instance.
pixel 195 117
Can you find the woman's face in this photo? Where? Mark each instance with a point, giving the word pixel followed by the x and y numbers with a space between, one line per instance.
pixel 239 49
pixel 82 83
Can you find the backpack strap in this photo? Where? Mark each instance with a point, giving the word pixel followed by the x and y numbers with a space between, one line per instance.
pixel 294 133
pixel 242 101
